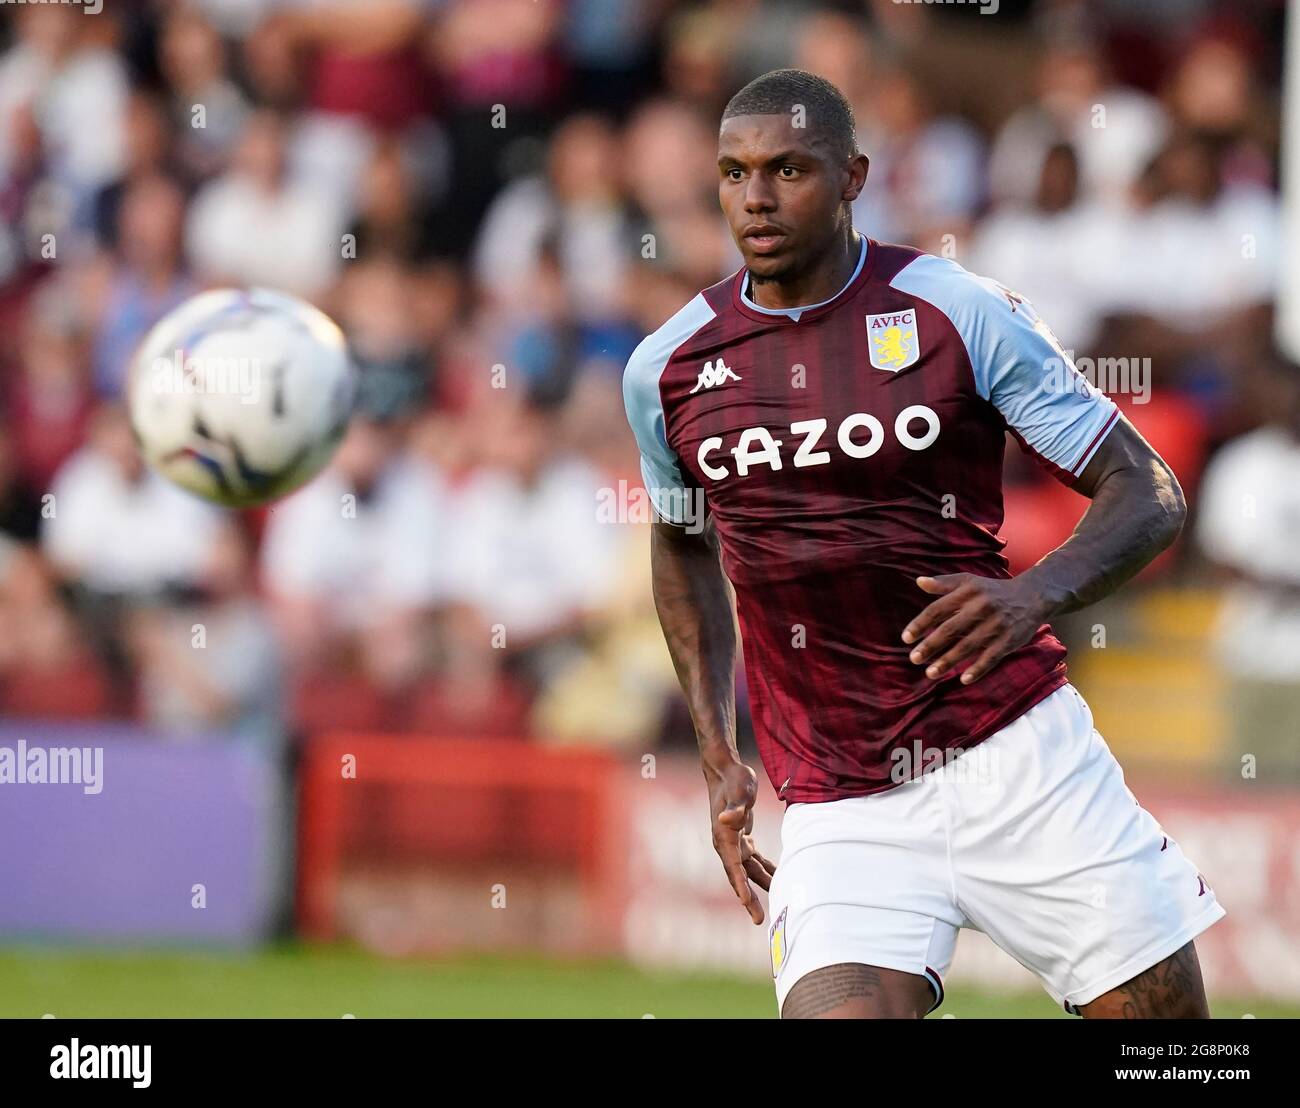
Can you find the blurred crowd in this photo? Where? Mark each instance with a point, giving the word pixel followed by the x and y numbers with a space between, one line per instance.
pixel 497 199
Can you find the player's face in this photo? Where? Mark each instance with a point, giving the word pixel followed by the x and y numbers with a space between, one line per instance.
pixel 783 189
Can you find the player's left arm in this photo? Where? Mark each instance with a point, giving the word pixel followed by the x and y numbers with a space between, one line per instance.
pixel 1136 512
pixel 1137 507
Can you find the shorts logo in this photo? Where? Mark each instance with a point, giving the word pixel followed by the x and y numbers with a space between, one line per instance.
pixel 776 940
pixel 892 339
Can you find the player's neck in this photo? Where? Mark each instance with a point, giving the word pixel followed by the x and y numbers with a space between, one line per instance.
pixel 819 283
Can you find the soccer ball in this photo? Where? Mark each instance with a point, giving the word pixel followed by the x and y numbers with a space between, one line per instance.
pixel 241 396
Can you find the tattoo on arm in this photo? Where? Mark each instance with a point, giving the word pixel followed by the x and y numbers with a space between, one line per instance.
pixel 1136 512
pixel 693 599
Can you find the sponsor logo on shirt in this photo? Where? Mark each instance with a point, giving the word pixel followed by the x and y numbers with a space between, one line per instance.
pixel 892 339
pixel 859 435
pixel 713 374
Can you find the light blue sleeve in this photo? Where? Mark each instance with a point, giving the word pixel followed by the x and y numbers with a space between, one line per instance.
pixel 1019 365
pixel 645 411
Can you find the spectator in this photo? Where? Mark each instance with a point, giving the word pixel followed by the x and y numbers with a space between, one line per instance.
pixel 142 280
pixel 212 662
pixel 1115 130
pixel 1204 249
pixel 63 70
pixel 47 398
pixel 678 210
pixel 209 109
pixel 360 76
pixel 391 216
pixel 45 666
pixel 838 47
pixel 530 555
pixel 21 185
pixel 256 225
pixel 118 535
pixel 149 153
pixel 115 528
pixel 1249 526
pixel 577 211
pixel 699 56
pixel 354 563
pixel 1072 285
pixel 609 44
pixel 503 78
pixel 377 308
pixel 926 170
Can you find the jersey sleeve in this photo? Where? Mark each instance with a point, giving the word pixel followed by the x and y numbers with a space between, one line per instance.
pixel 1052 407
pixel 1019 366
pixel 660 468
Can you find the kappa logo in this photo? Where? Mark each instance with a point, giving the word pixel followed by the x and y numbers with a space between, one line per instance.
pixel 713 374
pixel 892 340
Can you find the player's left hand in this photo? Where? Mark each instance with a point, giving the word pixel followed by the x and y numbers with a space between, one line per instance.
pixel 984 617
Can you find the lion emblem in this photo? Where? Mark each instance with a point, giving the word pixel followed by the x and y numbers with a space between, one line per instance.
pixel 893 347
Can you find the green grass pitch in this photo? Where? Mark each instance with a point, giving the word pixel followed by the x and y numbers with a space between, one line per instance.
pixel 330 982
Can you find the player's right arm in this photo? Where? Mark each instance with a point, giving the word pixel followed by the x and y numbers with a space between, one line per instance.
pixel 693 599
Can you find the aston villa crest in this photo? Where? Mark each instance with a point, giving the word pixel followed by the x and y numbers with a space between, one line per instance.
pixel 893 340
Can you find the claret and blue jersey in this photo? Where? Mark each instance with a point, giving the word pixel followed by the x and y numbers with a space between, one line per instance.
pixel 844 449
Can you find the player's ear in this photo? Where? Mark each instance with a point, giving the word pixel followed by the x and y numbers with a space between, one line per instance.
pixel 858 166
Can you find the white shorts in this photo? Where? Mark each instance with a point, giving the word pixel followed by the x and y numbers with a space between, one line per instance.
pixel 1031 837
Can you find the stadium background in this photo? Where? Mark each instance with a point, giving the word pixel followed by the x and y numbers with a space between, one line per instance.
pixel 409 743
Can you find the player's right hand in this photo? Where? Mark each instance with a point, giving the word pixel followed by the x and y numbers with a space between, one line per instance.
pixel 732 792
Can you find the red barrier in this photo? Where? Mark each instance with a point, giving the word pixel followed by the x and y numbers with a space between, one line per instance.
pixel 418 844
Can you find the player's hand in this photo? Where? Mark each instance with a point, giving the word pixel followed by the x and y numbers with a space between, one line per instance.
pixel 980 618
pixel 732 791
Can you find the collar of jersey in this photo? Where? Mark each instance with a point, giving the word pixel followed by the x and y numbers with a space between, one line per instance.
pixel 745 304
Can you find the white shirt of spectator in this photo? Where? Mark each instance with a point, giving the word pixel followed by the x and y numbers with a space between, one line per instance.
pixel 1110 156
pixel 80 108
pixel 117 537
pixel 530 558
pixel 1250 521
pixel 1189 265
pixel 290 239
pixel 361 559
pixel 1063 258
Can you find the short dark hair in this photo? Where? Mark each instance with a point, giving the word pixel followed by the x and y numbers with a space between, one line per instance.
pixel 781 91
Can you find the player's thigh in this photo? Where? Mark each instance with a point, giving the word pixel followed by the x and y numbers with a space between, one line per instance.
pixel 851 990
pixel 1058 863
pixel 1171 989
pixel 863 882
